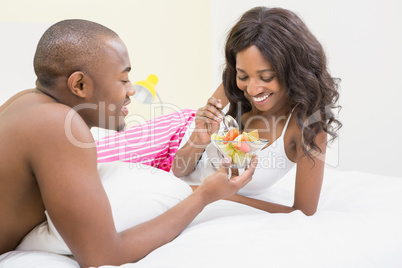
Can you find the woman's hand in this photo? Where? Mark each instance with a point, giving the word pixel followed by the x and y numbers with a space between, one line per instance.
pixel 207 120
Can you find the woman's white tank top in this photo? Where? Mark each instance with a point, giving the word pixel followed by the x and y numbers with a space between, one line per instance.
pixel 273 164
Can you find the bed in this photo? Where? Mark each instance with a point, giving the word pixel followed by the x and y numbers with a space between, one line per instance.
pixel 358 224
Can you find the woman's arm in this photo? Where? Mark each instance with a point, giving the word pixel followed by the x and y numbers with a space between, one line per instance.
pixel 309 177
pixel 219 94
pixel 186 158
pixel 207 120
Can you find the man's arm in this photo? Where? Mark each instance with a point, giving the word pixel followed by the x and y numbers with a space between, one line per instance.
pixel 76 201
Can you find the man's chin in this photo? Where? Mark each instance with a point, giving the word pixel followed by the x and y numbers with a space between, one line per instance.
pixel 121 127
pixel 118 128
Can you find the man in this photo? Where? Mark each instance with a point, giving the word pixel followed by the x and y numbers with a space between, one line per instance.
pixel 47 163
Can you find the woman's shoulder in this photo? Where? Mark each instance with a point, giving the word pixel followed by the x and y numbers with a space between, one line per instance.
pixel 292 137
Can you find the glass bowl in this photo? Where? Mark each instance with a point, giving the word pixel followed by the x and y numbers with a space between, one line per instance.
pixel 239 150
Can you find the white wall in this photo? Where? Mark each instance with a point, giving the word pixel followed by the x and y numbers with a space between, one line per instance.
pixel 168 38
pixel 16 56
pixel 363 41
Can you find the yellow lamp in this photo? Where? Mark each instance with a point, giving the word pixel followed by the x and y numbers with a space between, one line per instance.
pixel 145 90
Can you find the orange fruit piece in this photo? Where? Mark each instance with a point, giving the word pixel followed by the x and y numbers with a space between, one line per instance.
pixel 231 135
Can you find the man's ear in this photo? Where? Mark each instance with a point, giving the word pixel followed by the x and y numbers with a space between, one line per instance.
pixel 78 84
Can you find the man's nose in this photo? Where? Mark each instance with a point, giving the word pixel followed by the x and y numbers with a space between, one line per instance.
pixel 130 90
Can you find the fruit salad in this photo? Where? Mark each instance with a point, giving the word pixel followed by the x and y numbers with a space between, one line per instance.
pixel 240 147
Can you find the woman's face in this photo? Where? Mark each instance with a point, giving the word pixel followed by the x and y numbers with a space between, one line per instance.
pixel 256 77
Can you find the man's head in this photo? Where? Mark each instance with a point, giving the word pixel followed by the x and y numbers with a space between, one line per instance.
pixel 68 46
pixel 85 65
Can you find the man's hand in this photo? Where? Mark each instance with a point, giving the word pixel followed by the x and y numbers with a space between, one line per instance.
pixel 219 186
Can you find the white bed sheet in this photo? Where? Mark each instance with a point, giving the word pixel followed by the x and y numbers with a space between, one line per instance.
pixel 358 224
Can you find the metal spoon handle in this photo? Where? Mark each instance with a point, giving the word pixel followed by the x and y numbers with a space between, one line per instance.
pixel 225 123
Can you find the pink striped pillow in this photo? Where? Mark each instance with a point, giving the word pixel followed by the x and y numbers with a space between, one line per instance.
pixel 153 143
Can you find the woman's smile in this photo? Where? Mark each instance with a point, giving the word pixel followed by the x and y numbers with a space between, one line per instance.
pixel 262 99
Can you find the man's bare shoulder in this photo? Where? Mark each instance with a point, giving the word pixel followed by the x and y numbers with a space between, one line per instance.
pixel 36 121
pixel 36 111
pixel 11 100
pixel 27 102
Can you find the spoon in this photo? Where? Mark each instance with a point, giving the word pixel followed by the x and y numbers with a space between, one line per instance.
pixel 229 122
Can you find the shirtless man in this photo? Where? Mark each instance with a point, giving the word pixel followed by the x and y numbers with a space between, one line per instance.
pixel 82 65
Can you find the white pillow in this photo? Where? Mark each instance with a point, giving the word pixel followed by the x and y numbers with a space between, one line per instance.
pixel 137 193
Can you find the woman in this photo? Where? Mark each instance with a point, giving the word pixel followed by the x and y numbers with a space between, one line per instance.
pixel 275 80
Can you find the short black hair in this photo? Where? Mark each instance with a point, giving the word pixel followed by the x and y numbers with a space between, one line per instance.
pixel 69 46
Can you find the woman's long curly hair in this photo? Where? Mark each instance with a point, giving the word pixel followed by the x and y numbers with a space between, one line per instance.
pixel 300 64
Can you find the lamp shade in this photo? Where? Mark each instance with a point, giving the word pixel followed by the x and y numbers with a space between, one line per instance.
pixel 145 90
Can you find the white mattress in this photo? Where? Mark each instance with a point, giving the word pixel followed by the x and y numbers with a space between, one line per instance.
pixel 358 224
